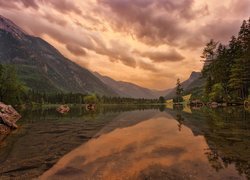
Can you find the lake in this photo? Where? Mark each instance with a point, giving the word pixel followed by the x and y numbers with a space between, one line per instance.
pixel 129 142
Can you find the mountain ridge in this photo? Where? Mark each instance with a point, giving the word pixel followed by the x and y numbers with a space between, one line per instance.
pixel 195 80
pixel 128 89
pixel 41 66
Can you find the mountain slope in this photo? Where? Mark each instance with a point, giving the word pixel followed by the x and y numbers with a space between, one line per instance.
pixel 126 89
pixel 195 80
pixel 41 66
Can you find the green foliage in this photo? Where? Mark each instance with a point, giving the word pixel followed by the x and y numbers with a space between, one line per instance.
pixel 179 89
pixel 31 97
pixel 11 88
pixel 227 68
pixel 217 93
pixel 179 92
pixel 209 51
pixel 178 99
pixel 90 99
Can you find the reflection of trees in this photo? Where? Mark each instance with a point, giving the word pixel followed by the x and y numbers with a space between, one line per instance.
pixel 162 108
pixel 227 132
pixel 180 120
pixel 178 107
pixel 80 111
pixel 214 159
pixel 228 135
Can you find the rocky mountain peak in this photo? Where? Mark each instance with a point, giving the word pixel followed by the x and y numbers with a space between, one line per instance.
pixel 9 26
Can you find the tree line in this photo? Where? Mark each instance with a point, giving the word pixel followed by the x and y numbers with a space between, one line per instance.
pixel 78 98
pixel 13 91
pixel 227 68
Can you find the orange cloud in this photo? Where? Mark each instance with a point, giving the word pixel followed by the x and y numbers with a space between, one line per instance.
pixel 146 42
pixel 78 51
pixel 162 56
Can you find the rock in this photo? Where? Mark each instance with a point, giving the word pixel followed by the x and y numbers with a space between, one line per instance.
pixel 90 107
pixel 63 109
pixel 9 115
pixel 196 102
pixel 214 104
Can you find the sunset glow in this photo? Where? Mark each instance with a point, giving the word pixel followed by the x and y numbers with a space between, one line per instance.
pixel 150 43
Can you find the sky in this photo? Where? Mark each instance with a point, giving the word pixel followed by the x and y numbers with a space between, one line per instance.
pixel 147 42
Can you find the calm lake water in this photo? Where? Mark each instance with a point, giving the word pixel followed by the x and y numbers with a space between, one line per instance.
pixel 129 142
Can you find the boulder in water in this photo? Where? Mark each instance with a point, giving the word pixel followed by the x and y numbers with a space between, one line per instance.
pixel 90 107
pixel 63 109
pixel 9 115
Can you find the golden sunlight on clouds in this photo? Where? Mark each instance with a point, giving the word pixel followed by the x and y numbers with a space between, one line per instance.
pixel 146 42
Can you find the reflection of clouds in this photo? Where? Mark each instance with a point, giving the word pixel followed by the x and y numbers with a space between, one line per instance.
pixel 164 151
pixel 128 152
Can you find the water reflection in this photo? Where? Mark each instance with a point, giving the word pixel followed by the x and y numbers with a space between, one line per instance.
pixel 129 142
pixel 226 131
pixel 45 135
pixel 156 148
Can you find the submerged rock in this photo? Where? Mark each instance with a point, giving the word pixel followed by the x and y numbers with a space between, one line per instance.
pixel 90 107
pixel 214 105
pixel 63 109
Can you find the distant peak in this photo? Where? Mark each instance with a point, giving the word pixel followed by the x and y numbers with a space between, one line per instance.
pixel 9 26
pixel 195 74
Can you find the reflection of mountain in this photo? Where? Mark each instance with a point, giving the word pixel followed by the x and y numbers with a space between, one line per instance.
pixel 148 141
pixel 227 132
pixel 152 148
pixel 45 135
pixel 127 119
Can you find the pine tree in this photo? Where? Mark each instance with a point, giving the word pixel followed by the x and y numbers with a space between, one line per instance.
pixel 229 66
pixel 208 53
pixel 179 91
pixel 236 78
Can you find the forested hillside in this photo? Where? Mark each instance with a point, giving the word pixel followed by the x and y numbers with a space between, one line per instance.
pixel 227 68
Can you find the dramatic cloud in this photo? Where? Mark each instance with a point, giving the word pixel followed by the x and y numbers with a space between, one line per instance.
pixel 162 56
pixel 148 66
pixel 55 20
pixel 63 6
pixel 15 4
pixel 78 51
pixel 147 42
pixel 153 22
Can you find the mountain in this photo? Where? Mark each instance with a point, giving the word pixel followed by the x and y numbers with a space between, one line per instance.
pixel 126 89
pixel 195 80
pixel 42 67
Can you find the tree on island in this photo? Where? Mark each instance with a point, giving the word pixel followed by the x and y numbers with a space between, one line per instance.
pixel 161 100
pixel 179 92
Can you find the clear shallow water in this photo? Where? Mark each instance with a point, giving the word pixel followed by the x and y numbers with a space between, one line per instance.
pixel 129 143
